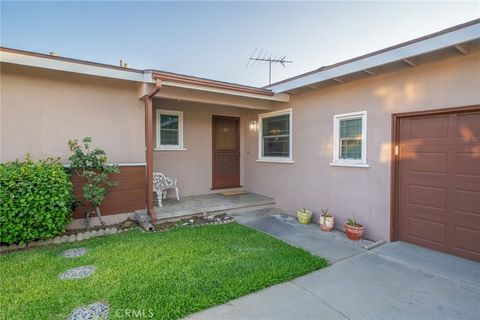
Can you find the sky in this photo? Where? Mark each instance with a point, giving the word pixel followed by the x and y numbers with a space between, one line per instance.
pixel 216 39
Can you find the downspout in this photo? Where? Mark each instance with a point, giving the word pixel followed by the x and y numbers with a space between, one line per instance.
pixel 149 148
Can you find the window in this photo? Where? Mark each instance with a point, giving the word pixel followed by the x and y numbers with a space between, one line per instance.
pixel 275 136
pixel 350 139
pixel 169 130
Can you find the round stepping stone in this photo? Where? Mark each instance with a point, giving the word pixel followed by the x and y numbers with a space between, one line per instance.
pixel 78 273
pixel 97 310
pixel 73 253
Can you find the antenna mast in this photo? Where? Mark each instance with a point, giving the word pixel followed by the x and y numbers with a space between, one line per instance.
pixel 266 58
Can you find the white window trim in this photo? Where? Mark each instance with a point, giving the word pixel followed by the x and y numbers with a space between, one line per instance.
pixel 178 147
pixel 360 163
pixel 169 149
pixel 288 159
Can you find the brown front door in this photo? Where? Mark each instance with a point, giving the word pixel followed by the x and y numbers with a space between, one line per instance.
pixel 439 182
pixel 225 152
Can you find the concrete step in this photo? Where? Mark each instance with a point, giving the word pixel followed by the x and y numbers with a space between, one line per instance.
pixel 212 204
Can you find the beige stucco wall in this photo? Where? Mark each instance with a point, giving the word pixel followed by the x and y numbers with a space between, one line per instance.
pixel 193 166
pixel 42 109
pixel 311 182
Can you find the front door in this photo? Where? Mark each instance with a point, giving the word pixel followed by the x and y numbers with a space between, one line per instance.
pixel 225 152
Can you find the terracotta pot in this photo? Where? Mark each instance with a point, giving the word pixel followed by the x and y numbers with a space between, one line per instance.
pixel 326 223
pixel 354 233
pixel 304 217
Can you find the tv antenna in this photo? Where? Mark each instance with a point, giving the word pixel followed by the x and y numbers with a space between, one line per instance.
pixel 263 57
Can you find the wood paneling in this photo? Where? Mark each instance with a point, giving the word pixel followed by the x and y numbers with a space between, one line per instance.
pixel 128 195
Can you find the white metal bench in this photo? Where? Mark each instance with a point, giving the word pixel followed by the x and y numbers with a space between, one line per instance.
pixel 161 184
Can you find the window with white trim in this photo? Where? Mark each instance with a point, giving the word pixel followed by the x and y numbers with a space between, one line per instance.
pixel 350 139
pixel 275 136
pixel 169 130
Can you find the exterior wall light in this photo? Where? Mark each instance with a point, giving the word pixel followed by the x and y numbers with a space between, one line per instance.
pixel 252 126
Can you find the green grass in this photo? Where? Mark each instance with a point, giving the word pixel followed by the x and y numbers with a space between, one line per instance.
pixel 171 274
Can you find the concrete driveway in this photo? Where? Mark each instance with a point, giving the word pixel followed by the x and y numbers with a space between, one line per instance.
pixel 365 281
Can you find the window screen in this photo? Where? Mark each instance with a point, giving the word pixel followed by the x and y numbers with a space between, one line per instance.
pixel 169 129
pixel 351 139
pixel 276 136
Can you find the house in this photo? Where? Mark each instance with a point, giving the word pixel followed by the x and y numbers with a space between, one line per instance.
pixel 392 136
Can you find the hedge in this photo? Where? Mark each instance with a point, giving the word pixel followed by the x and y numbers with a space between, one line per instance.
pixel 36 200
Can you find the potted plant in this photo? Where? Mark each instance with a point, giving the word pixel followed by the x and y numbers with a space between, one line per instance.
pixel 326 221
pixel 353 229
pixel 304 216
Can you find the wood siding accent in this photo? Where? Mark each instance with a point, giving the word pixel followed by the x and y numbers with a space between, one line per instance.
pixel 127 196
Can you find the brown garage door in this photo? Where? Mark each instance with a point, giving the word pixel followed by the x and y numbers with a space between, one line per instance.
pixel 439 182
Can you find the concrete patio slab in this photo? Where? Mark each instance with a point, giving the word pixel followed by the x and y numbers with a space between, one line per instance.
pixel 393 281
pixel 191 205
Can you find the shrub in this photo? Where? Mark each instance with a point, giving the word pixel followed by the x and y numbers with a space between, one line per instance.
pixel 36 200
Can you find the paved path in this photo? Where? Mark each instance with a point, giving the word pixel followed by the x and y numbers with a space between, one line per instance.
pixel 309 237
pixel 392 281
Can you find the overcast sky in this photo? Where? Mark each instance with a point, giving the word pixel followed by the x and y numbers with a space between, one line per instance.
pixel 215 39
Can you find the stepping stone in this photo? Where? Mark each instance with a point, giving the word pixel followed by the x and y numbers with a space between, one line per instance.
pixel 97 310
pixel 78 273
pixel 73 253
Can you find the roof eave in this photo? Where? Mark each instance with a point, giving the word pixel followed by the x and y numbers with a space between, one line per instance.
pixel 38 60
pixel 45 61
pixel 207 85
pixel 412 49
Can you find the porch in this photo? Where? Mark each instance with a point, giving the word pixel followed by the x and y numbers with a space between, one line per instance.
pixel 210 203
pixel 196 131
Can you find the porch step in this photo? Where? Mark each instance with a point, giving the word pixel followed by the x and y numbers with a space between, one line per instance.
pixel 211 203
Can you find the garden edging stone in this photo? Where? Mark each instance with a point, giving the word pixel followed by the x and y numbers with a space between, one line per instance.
pixel 84 235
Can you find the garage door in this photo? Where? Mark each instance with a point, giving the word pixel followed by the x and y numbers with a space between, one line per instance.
pixel 439 182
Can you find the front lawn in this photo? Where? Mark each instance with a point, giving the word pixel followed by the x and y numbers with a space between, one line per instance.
pixel 170 274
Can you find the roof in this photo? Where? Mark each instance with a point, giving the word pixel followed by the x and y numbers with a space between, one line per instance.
pixel 53 62
pixel 447 38
pixel 461 38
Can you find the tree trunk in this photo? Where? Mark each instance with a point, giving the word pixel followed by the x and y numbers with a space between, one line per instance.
pixel 99 215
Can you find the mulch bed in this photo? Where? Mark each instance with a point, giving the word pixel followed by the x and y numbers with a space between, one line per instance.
pixel 194 221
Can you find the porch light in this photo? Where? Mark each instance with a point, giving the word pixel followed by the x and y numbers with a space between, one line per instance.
pixel 252 126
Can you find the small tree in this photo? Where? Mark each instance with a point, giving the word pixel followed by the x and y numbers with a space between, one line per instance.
pixel 92 165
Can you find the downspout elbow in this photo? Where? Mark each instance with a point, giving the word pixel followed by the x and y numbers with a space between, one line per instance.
pixel 158 87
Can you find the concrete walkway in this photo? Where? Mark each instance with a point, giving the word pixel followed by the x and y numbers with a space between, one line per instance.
pixel 392 281
pixel 274 222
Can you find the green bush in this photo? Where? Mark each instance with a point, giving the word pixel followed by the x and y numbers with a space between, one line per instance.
pixel 36 200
